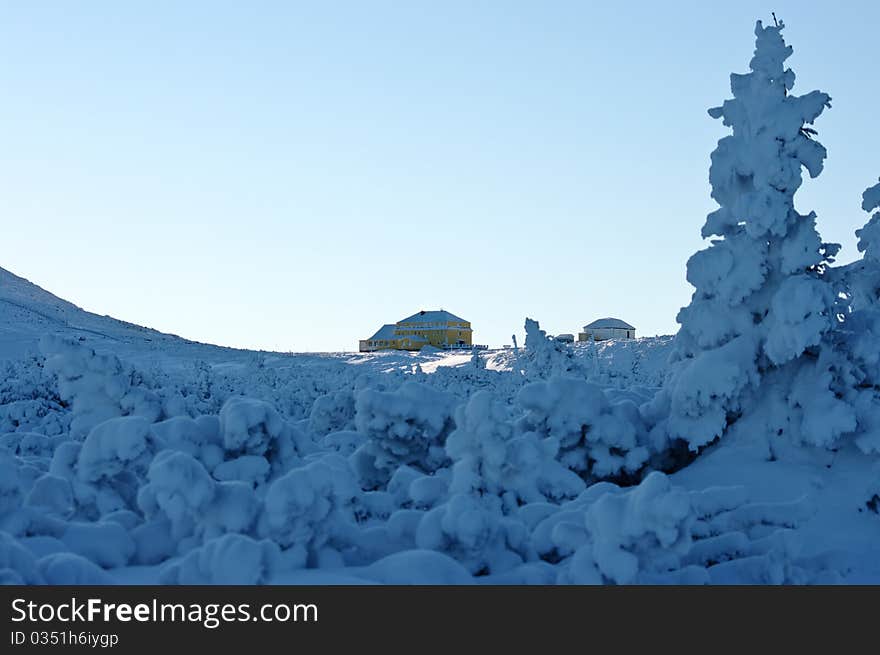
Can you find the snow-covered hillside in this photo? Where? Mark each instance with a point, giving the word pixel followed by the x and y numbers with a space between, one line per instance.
pixel 27 312
pixel 746 449
pixel 133 456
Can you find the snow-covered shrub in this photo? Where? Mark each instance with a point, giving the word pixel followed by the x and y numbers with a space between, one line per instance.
pixel 418 567
pixel 344 442
pixel 56 490
pixel 28 444
pixel 98 387
pixel 10 485
pixel 644 529
pixel 474 531
pixel 252 469
pixel 199 437
pixel 491 458
pixel 332 412
pixel 744 542
pixel 34 415
pixel 53 495
pixel 27 379
pixel 119 445
pixel 626 363
pixel 597 438
pixel 179 490
pixel 105 543
pixel 182 499
pixel 408 426
pixel 111 464
pixel 253 427
pixel 557 531
pixel 495 471
pixel 426 491
pixel 309 508
pixel 232 559
pixel 17 564
pixel 465 380
pixel 71 569
pixel 29 400
pixel 200 390
pixel 656 533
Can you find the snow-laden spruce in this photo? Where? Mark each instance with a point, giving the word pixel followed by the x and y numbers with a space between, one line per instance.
pixel 753 333
pixel 859 288
pixel 544 357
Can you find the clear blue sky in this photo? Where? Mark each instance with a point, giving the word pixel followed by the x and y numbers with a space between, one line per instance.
pixel 290 176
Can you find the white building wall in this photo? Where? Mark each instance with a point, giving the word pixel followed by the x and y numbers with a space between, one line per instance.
pixel 601 334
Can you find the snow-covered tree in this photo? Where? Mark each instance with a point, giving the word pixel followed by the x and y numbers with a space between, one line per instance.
pixel 762 301
pixel 545 357
pixel 862 278
pixel 407 426
pixel 860 333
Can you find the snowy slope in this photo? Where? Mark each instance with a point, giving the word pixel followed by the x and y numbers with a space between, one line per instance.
pixel 28 311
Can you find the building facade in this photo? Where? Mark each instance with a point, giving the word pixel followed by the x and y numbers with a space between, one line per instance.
pixel 439 328
pixel 607 328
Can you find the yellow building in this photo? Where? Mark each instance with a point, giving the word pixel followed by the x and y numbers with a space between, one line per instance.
pixel 440 329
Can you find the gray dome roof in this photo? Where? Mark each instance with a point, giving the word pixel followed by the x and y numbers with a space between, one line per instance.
pixel 609 323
